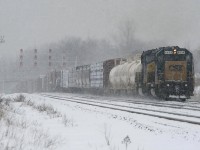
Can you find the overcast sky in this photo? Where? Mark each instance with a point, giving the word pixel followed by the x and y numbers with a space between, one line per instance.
pixel 30 23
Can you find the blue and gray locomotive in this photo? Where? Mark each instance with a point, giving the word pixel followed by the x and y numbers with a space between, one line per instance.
pixel 167 72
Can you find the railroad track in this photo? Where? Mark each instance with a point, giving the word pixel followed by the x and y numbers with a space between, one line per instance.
pixel 186 118
pixel 164 104
pixel 153 102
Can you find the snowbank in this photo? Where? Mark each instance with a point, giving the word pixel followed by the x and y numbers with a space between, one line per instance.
pixel 197 90
pixel 46 123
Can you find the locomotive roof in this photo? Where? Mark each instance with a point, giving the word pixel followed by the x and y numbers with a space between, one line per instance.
pixel 158 50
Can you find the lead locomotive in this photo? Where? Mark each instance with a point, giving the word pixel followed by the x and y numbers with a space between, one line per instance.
pixel 167 72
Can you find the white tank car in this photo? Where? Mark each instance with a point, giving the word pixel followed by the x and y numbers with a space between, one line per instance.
pixel 123 76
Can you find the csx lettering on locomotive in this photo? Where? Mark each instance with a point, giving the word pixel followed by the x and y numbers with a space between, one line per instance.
pixel 175 67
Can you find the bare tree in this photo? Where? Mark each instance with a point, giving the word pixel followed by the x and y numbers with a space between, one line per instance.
pixel 125 39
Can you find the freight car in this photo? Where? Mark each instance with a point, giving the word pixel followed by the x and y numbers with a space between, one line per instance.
pixel 123 77
pixel 89 78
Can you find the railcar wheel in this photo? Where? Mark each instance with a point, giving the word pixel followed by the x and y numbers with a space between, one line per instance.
pixel 165 96
pixel 183 99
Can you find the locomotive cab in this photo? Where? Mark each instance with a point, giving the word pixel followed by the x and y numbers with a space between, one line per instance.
pixel 168 72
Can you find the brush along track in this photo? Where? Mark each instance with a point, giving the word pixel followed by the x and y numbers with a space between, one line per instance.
pixel 143 111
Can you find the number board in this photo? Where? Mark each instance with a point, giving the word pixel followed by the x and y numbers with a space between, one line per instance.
pixel 180 52
pixel 168 52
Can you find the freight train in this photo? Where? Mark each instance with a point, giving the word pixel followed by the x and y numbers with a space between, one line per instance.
pixel 165 72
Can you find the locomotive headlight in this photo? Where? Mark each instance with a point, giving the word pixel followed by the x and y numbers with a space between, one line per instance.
pixel 168 85
pixel 186 85
pixel 175 51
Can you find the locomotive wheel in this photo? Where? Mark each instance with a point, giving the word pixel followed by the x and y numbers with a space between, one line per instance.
pixel 165 96
pixel 182 99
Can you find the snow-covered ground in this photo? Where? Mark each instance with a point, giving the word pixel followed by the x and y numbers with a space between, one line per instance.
pixel 46 123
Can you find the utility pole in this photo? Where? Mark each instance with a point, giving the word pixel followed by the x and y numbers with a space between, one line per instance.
pixel 76 61
pixel 2 40
pixel 64 60
pixel 21 57
pixel 50 58
pixel 35 58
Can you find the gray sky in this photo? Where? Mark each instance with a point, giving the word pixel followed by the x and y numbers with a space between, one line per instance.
pixel 26 23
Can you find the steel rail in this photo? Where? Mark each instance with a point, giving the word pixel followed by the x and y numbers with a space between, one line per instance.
pixel 130 111
pixel 154 103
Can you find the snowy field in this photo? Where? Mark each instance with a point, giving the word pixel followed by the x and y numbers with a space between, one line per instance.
pixel 34 122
